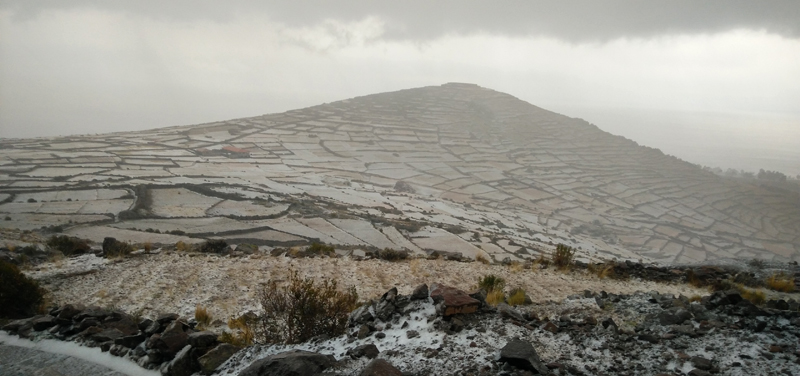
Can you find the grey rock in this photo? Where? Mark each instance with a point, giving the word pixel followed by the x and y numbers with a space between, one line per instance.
pixel 420 292
pixel 43 323
pixel 673 316
pixel 202 339
pixel 508 312
pixel 130 341
pixel 184 364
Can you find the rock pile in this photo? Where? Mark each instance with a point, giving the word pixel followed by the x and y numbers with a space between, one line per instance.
pixel 166 343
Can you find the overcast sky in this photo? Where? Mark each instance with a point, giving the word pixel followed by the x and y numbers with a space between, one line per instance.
pixel 70 67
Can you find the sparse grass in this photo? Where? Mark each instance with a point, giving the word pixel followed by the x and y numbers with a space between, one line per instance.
pixel 517 297
pixel 148 247
pixel 756 263
pixel 540 261
pixel 602 271
pixel 203 317
pixel 780 282
pixel 516 267
pixel 695 298
pixel 491 283
pixel 495 297
pixel 563 257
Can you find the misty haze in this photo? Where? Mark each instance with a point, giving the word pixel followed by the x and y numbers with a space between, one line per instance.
pixel 359 188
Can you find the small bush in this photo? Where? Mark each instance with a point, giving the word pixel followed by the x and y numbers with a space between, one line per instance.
pixel 563 257
pixel 213 246
pixel 756 263
pixel 389 254
pixel 780 282
pixel 203 317
pixel 115 248
pixel 31 199
pixel 181 246
pixel 320 249
pixel 517 297
pixel 495 297
pixel 695 298
pixel 20 296
pixel 491 283
pixel 303 309
pixel 68 245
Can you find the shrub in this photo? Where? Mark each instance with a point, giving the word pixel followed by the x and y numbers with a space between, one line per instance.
pixel 696 298
pixel 516 266
pixel 302 309
pixel 31 199
pixel 780 282
pixel 213 246
pixel 756 263
pixel 491 283
pixel 203 317
pixel 115 248
pixel 319 249
pixel 517 297
pixel 181 246
pixel 20 296
pixel 68 245
pixel 495 297
pixel 563 257
pixel 389 254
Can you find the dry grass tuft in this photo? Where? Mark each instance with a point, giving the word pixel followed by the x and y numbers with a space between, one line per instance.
pixel 182 247
pixel 695 298
pixel 563 257
pixel 516 266
pixel 517 297
pixel 780 282
pixel 482 259
pixel 754 296
pixel 203 317
pixel 495 297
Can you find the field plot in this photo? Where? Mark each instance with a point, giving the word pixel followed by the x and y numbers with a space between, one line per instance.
pixel 365 231
pixel 72 195
pixel 440 240
pixel 53 172
pixel 208 225
pixel 246 209
pixel 180 202
pixel 268 237
pixel 98 233
pixel 33 221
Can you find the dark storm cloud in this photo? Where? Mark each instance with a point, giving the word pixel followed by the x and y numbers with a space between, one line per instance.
pixel 572 20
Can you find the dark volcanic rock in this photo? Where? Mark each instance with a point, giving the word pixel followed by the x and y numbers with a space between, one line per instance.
pixel 420 292
pixel 368 350
pixel 521 354
pixel 202 339
pixel 380 367
pixel 215 357
pixel 43 323
pixel 290 363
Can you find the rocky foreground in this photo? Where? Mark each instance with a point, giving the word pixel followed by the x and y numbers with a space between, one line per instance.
pixel 444 330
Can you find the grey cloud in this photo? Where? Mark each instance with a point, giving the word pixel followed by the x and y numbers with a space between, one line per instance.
pixel 571 20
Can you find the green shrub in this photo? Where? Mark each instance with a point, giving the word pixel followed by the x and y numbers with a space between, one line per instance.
pixel 68 245
pixel 319 249
pixel 20 296
pixel 491 283
pixel 213 246
pixel 389 254
pixel 563 257
pixel 302 309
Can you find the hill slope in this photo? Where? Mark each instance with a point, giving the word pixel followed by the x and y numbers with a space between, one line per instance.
pixel 454 169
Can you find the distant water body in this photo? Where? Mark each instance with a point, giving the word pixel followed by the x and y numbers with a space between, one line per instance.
pixel 740 141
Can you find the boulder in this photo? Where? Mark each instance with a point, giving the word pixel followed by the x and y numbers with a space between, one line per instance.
pixel 420 292
pixel 106 335
pixel 202 339
pixel 130 341
pixel 215 357
pixel 94 312
pixel 290 363
pixel 369 350
pixel 183 364
pixel 167 318
pixel 453 301
pixel 174 338
pixel 43 323
pixel 18 325
pixel 247 248
pixel 125 324
pixel 380 367
pixel 69 311
pixel 508 312
pixel 521 354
